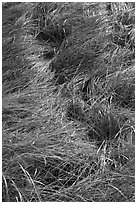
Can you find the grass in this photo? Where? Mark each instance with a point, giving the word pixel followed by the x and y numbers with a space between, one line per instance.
pixel 68 102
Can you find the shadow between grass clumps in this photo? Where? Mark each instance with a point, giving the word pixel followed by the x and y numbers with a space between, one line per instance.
pixel 103 126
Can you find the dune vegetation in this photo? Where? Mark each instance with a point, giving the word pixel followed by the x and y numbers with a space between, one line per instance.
pixel 68 102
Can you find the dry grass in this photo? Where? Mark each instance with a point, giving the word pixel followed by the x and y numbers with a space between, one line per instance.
pixel 68 102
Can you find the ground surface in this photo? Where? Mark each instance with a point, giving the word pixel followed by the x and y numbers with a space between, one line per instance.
pixel 68 102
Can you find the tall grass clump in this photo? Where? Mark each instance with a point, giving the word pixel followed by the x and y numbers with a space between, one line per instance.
pixel 68 102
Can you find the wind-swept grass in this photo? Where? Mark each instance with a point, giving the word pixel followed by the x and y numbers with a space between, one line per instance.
pixel 68 102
